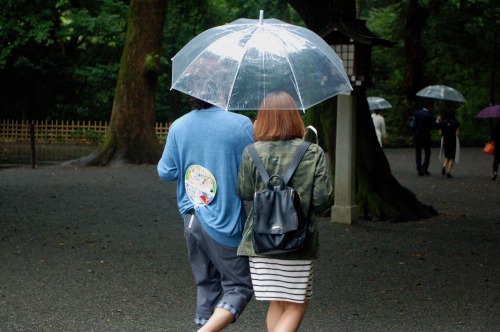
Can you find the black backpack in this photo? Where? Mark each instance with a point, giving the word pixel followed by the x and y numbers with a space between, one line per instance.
pixel 279 223
pixel 410 123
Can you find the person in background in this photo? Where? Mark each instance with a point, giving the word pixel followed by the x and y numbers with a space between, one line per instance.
pixel 449 129
pixel 284 279
pixel 495 137
pixel 424 124
pixel 379 124
pixel 203 153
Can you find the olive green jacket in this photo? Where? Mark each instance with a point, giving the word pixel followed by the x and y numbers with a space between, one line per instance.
pixel 311 180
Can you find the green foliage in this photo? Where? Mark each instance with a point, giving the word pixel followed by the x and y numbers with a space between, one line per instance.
pixel 151 61
pixel 162 139
pixel 59 59
pixel 88 134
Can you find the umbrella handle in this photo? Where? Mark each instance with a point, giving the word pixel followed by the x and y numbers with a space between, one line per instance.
pixel 261 17
pixel 313 130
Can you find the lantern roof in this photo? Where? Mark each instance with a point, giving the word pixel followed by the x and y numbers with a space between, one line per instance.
pixel 354 29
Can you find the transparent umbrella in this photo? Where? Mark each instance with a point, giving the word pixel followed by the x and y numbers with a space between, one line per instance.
pixel 378 103
pixel 234 66
pixel 441 92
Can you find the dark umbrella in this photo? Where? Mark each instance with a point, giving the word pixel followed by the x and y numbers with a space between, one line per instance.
pixel 489 112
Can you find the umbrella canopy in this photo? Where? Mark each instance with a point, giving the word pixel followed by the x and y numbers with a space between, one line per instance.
pixel 377 103
pixel 441 92
pixel 489 112
pixel 234 66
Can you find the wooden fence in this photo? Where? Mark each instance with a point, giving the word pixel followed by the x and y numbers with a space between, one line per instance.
pixel 62 131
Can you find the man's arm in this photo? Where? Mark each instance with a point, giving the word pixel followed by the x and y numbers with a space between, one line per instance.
pixel 167 166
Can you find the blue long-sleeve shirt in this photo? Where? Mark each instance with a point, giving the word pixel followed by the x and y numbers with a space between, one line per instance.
pixel 214 139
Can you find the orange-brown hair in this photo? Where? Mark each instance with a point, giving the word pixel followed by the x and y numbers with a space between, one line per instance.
pixel 278 118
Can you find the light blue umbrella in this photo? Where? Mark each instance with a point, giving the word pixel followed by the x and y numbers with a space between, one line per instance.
pixel 441 92
pixel 378 103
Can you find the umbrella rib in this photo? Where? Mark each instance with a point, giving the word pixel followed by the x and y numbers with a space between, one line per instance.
pixel 293 74
pixel 238 68
pixel 220 31
pixel 199 53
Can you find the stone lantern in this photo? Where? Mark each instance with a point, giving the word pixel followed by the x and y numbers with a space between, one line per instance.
pixel 352 41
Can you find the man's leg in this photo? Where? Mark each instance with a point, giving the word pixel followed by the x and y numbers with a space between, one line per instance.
pixel 427 158
pixel 236 284
pixel 418 157
pixel 496 161
pixel 220 319
pixel 207 277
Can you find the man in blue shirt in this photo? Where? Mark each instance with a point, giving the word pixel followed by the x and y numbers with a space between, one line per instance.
pixel 203 153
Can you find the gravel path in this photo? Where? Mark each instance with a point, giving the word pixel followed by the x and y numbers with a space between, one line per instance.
pixel 102 249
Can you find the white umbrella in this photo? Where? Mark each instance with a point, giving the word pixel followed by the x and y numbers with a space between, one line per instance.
pixel 234 66
pixel 378 103
pixel 441 92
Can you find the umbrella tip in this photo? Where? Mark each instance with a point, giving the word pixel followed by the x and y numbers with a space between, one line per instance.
pixel 261 17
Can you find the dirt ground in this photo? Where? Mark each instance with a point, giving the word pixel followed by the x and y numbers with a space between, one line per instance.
pixel 102 249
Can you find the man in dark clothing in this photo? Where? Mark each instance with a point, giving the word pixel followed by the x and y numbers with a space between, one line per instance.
pixel 424 124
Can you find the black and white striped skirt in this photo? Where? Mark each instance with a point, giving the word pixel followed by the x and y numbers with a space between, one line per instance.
pixel 281 280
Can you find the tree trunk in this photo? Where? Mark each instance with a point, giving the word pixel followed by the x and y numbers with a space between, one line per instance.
pixel 378 194
pixel 131 137
pixel 416 17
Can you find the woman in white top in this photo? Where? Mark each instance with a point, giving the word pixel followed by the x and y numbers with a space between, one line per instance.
pixel 379 124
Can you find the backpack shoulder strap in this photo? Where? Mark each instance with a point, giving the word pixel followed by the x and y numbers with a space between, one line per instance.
pixel 258 163
pixel 301 150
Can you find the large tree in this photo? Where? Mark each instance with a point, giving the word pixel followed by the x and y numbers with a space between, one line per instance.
pixel 378 193
pixel 131 136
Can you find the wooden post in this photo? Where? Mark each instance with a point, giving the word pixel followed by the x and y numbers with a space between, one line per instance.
pixel 32 141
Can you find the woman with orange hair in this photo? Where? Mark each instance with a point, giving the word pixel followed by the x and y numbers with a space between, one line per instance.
pixel 284 279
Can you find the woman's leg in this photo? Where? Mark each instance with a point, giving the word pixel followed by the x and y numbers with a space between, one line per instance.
pixel 496 161
pixel 291 316
pixel 451 162
pixel 276 309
